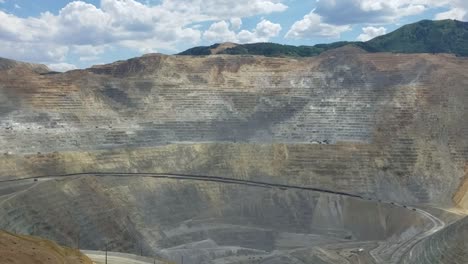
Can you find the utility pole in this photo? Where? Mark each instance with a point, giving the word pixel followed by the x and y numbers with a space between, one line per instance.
pixel 78 240
pixel 182 259
pixel 106 253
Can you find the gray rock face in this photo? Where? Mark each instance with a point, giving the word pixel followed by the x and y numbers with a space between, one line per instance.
pixel 200 221
pixel 390 127
pixel 393 122
pixel 6 64
pixel 447 246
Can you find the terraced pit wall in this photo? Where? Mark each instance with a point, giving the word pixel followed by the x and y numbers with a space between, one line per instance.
pixel 383 125
pixel 447 246
pixel 389 127
pixel 168 218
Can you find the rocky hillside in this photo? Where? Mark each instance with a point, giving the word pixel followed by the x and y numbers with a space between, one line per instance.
pixel 426 36
pixel 444 36
pixel 7 64
pixel 388 129
pixel 18 249
pixel 395 125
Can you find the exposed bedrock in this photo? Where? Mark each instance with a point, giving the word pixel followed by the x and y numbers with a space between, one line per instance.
pixel 201 221
pixel 359 169
pixel 385 120
pixel 390 127
pixel 447 246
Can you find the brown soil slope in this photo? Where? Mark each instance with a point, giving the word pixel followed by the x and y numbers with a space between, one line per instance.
pixel 16 249
pixel 461 196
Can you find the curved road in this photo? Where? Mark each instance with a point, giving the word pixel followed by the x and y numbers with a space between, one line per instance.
pixel 99 257
pixel 396 257
pixel 186 177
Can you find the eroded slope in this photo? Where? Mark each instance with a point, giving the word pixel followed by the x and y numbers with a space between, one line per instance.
pixel 447 246
pixel 203 221
pixel 19 249
pixel 389 127
pixel 385 120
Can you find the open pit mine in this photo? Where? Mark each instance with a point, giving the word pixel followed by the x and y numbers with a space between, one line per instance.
pixel 346 157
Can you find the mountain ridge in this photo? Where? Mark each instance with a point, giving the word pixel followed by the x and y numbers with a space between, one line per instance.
pixel 425 36
pixel 8 64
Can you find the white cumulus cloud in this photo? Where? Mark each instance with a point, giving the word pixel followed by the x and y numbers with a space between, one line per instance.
pixel 224 9
pixel 236 23
pixel 221 32
pixel 454 13
pixel 89 30
pixel 312 26
pixel 345 12
pixel 371 32
pixel 458 10
pixel 331 18
pixel 61 67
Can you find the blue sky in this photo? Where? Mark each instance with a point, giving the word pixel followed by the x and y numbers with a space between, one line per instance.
pixel 77 34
